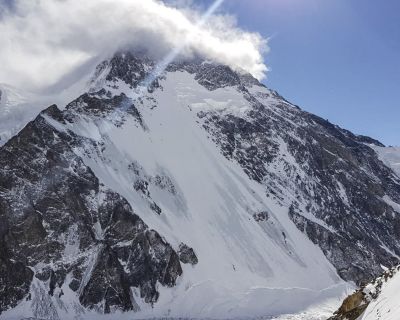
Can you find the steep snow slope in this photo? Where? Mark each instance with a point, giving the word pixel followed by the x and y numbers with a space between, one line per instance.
pixel 387 305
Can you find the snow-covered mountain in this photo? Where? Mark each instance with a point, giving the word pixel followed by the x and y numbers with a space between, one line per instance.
pixel 206 195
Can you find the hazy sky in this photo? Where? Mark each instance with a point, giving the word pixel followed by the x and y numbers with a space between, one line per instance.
pixel 339 59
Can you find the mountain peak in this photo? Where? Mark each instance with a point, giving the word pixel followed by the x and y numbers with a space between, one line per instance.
pixel 133 68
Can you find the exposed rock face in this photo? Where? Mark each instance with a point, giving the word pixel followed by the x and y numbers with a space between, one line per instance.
pixel 353 306
pixel 60 224
pixel 15 278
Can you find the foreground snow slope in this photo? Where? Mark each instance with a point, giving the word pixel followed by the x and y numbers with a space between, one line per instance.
pixel 387 305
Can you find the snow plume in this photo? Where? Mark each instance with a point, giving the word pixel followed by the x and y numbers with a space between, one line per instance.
pixel 42 40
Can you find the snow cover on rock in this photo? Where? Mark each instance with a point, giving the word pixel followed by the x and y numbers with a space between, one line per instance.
pixel 390 156
pixel 387 305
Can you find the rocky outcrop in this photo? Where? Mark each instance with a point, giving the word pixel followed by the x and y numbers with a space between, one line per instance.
pixel 352 308
pixel 187 254
pixel 15 279
pixel 355 304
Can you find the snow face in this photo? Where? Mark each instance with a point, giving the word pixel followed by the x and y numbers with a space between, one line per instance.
pixel 386 306
pixel 246 268
pixel 390 156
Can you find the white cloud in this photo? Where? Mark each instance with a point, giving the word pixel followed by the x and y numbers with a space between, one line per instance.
pixel 45 39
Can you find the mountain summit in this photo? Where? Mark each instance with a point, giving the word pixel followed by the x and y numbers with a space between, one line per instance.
pixel 205 195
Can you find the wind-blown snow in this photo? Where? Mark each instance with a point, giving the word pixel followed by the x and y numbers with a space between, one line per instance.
pixel 18 107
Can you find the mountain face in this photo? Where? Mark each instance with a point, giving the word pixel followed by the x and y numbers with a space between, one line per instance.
pixel 205 195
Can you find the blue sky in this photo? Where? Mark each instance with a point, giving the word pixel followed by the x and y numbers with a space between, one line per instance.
pixel 339 59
